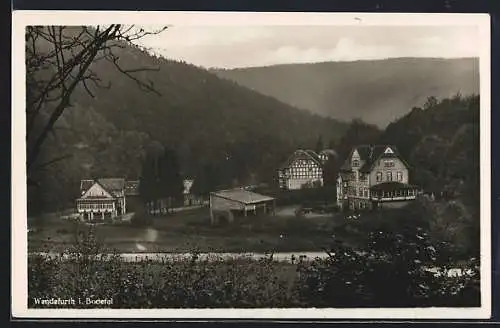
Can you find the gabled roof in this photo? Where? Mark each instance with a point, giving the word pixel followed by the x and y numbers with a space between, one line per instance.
pixel 111 185
pixel 302 154
pixel 242 196
pixel 370 155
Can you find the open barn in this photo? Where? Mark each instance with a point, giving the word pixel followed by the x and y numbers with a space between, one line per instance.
pixel 228 204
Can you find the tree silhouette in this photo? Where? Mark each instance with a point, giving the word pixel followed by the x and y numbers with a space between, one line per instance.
pixel 170 181
pixel 319 144
pixel 58 60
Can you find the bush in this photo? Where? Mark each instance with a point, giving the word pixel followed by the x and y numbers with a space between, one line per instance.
pixel 392 271
pixel 389 272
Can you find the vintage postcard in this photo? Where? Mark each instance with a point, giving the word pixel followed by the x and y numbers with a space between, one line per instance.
pixel 251 165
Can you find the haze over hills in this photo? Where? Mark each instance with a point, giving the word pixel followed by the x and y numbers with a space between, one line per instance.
pixel 377 91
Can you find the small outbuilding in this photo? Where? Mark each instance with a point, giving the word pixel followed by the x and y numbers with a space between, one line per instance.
pixel 226 204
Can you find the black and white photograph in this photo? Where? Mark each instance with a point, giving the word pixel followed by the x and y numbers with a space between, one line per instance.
pixel 251 165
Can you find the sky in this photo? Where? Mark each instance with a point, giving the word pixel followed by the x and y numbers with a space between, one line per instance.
pixel 247 46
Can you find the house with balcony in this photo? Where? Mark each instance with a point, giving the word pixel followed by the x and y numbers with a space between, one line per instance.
pixel 103 198
pixel 373 177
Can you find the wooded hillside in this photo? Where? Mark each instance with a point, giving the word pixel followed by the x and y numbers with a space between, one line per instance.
pixel 203 119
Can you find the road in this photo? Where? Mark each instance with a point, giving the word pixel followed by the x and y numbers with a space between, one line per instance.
pixel 158 257
pixel 279 257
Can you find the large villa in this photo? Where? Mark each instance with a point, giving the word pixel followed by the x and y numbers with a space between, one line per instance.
pixel 374 176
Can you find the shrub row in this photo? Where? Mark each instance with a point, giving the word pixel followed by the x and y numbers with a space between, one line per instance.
pixel 390 272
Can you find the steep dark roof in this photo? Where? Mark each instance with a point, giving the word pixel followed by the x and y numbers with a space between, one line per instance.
pixel 370 154
pixel 313 155
pixel 302 154
pixel 112 184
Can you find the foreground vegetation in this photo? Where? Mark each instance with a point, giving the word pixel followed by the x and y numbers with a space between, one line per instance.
pixel 391 271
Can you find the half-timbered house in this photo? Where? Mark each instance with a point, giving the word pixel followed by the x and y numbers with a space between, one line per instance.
pixel 304 169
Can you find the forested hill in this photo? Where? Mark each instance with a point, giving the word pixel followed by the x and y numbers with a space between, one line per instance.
pixel 204 119
pixel 376 90
pixel 440 140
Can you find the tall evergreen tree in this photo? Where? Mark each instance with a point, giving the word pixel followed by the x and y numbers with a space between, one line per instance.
pixel 205 181
pixel 150 187
pixel 358 133
pixel 319 144
pixel 169 177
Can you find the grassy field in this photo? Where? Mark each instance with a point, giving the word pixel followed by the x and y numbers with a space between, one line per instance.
pixel 188 230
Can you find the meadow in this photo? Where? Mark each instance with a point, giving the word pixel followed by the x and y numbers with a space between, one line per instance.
pixel 187 230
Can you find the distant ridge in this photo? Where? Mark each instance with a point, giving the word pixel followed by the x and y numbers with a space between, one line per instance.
pixel 378 91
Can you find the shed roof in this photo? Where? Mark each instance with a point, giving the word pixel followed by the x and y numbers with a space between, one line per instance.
pixel 242 196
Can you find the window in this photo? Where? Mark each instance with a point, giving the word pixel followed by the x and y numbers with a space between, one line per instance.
pixel 360 192
pixel 355 163
pixel 379 176
pixel 389 163
pixel 365 193
pixel 399 176
pixel 389 176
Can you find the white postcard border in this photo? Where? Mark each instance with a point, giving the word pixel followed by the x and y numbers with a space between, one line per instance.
pixel 18 188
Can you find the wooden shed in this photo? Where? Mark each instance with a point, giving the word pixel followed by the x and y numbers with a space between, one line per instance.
pixel 227 204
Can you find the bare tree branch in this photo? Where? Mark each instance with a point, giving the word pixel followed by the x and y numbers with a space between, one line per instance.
pixel 58 60
pixel 54 160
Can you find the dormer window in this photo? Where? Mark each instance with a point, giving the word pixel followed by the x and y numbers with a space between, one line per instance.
pixel 389 163
pixel 355 163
